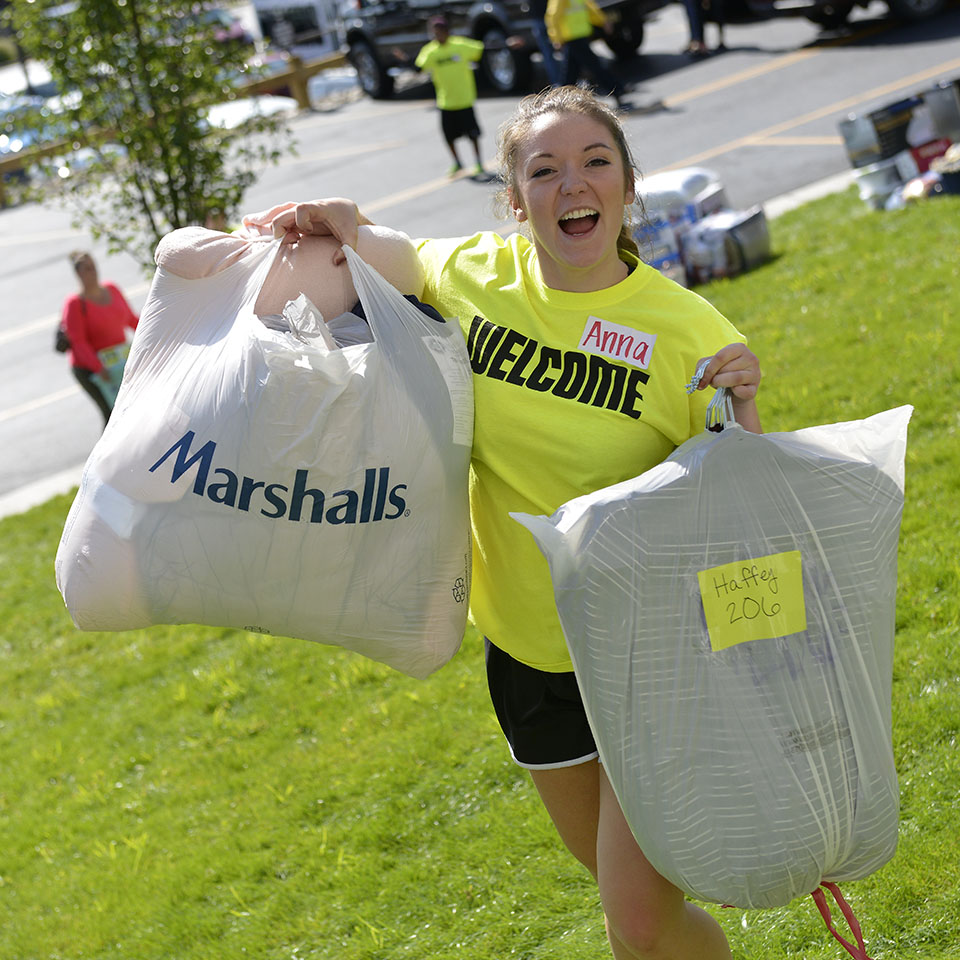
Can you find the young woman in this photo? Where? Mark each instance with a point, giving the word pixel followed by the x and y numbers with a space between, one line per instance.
pixel 563 408
pixel 96 321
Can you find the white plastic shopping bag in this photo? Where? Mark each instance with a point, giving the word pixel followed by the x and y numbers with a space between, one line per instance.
pixel 730 616
pixel 270 481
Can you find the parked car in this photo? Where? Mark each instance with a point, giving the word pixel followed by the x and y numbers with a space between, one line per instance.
pixel 29 121
pixel 22 119
pixel 227 28
pixel 827 13
pixel 235 113
pixel 383 37
pixel 16 132
pixel 290 24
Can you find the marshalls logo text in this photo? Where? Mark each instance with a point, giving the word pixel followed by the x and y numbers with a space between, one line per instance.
pixel 367 504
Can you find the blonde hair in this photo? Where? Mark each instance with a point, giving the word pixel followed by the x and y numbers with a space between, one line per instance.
pixel 560 100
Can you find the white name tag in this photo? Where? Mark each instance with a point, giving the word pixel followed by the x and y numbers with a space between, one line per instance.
pixel 618 343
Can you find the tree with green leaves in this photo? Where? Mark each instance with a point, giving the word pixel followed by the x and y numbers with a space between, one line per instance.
pixel 138 79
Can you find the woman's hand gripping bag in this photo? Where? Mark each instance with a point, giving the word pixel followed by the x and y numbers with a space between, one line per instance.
pixel 730 616
pixel 267 480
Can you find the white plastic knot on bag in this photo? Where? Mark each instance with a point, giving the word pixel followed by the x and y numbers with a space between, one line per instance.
pixel 267 480
pixel 730 617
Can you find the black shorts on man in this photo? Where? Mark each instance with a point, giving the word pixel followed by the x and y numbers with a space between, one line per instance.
pixel 459 123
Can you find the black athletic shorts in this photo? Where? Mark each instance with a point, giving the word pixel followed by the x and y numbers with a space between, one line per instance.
pixel 541 714
pixel 459 123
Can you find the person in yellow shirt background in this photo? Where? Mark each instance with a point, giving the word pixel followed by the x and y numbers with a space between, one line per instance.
pixel 448 60
pixel 570 25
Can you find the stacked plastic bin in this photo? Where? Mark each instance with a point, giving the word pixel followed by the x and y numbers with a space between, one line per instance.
pixel 901 144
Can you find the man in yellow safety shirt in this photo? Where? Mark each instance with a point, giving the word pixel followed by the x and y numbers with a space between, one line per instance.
pixel 448 60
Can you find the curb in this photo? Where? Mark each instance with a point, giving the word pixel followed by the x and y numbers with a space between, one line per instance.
pixel 40 491
pixel 836 183
pixel 33 494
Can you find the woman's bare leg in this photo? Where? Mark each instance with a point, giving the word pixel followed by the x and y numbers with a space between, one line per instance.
pixel 572 798
pixel 647 917
pixel 645 912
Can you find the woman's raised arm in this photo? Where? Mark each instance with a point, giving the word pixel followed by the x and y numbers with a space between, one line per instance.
pixel 334 216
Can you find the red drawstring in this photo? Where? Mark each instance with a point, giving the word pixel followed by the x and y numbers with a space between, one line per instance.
pixel 858 952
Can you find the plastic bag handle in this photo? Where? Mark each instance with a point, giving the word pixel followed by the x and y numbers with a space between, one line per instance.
pixel 720 408
pixel 858 952
pixel 371 285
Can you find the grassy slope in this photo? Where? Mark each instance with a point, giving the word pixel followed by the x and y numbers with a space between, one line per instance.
pixel 201 793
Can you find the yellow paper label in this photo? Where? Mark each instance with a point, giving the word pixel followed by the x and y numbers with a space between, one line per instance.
pixel 756 599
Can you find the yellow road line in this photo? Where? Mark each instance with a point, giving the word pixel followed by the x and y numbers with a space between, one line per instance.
pixel 355 151
pixel 787 60
pixel 839 106
pixel 376 112
pixel 48 322
pixel 44 323
pixel 20 239
pixel 32 405
pixel 411 193
pixel 734 78
pixel 797 141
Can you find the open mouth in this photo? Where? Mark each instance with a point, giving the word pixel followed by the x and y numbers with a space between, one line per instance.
pixel 578 222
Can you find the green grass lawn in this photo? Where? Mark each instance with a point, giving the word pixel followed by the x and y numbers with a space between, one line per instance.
pixel 204 794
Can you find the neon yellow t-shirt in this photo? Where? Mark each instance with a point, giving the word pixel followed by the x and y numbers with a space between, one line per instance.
pixel 449 67
pixel 572 392
pixel 572 19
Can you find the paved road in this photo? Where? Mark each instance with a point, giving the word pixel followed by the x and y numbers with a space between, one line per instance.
pixel 763 115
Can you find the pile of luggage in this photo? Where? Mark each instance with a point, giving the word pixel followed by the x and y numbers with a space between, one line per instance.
pixel 907 149
pixel 686 229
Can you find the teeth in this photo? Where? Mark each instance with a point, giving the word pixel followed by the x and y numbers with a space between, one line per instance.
pixel 582 212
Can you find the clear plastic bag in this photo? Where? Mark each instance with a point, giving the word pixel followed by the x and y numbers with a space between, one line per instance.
pixel 259 479
pixel 730 616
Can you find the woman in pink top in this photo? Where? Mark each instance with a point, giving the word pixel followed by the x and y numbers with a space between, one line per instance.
pixel 96 322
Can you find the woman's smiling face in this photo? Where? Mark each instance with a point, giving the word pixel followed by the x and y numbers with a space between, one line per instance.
pixel 571 186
